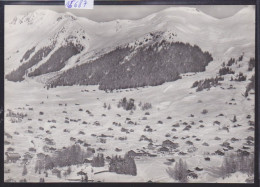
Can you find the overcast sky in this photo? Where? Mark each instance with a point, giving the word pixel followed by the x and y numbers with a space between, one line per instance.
pixel 108 13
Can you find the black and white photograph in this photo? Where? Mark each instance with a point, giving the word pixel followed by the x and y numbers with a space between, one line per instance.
pixel 130 93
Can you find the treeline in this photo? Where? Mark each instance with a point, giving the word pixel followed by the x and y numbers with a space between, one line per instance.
pixel 237 162
pixel 207 83
pixel 225 71
pixel 148 66
pixel 124 165
pixel 55 63
pixel 57 60
pixel 98 161
pixel 71 155
pixel 74 155
pixel 239 77
pixel 18 74
pixel 127 104
pixel 251 64
pixel 27 54
pixel 231 62
pixel 250 86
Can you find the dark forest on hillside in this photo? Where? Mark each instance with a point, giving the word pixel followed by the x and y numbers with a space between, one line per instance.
pixel 148 66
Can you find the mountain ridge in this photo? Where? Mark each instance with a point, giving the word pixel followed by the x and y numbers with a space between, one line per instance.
pixel 245 10
pixel 171 25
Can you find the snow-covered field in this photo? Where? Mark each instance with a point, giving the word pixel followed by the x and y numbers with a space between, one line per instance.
pixel 172 103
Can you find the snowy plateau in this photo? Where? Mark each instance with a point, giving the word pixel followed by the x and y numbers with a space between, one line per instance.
pixel 166 98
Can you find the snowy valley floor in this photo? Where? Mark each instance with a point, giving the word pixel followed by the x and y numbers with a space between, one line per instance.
pixel 172 103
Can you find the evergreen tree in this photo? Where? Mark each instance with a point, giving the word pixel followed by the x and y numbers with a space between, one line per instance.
pixel 251 64
pixel 234 119
pixel 130 165
pixel 86 178
pixel 59 174
pixel 180 171
pixel 98 161
pixel 124 165
pixel 24 170
pixel 48 162
pixel 69 170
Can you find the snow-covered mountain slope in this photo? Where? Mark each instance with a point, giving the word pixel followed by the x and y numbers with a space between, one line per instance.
pixel 41 29
pixel 206 113
pixel 44 28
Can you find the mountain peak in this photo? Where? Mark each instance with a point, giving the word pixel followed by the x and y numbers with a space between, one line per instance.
pixel 189 11
pixel 181 13
pixel 43 12
pixel 247 10
pixel 33 17
pixel 247 13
